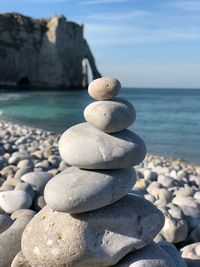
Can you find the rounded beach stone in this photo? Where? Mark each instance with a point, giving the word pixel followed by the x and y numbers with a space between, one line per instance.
pixel 191 255
pixel 20 261
pixel 172 251
pixel 104 88
pixel 10 241
pixel 86 147
pixel 98 238
pixel 110 116
pixel 150 175
pixel 174 230
pixel 184 192
pixel 21 172
pixel 151 256
pixel 175 211
pixel 2 180
pixel 26 187
pixel 76 190
pixel 37 179
pixel 5 222
pixel 6 187
pixel 12 181
pixel 161 194
pixel 8 171
pixel 191 210
pixel 17 157
pixel 195 235
pixel 22 213
pixel 11 201
pixel 25 163
pixel 38 203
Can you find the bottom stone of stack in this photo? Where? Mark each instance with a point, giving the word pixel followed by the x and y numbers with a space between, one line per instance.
pixel 98 238
pixel 152 256
pixel 20 261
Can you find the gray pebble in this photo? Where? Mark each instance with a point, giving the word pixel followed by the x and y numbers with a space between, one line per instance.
pixel 78 147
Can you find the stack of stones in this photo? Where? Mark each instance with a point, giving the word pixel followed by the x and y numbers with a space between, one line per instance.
pixel 90 219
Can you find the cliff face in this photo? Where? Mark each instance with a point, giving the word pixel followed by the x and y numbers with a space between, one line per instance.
pixel 43 53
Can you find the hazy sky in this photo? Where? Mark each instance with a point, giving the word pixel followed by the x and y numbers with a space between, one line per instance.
pixel 144 43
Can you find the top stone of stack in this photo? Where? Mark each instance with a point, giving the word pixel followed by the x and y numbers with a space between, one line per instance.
pixel 104 88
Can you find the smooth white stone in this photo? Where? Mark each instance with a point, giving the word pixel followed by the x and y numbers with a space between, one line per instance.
pixel 86 147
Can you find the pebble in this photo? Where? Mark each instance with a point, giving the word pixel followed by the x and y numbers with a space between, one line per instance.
pixel 184 192
pixel 10 240
pixel 11 201
pixel 5 222
pixel 76 190
pixel 191 210
pixel 12 181
pixel 104 88
pixel 26 187
pixel 39 203
pixel 150 198
pixel 20 261
pixel 174 254
pixel 197 195
pixel 153 185
pixel 195 179
pixel 22 213
pixel 8 171
pixel 106 151
pixel 54 161
pixel 151 256
pixel 42 165
pixel 37 154
pixel 150 175
pixel 38 180
pixel 168 181
pixel 63 165
pixel 1 181
pixel 174 230
pixel 6 187
pixel 175 211
pixel 19 173
pixel 195 235
pixel 25 163
pixel 98 238
pixel 53 172
pixel 110 116
pixel 141 183
pixel 16 157
pixel 161 194
pixel 191 254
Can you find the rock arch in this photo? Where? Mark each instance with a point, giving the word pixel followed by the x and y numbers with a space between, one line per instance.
pixel 23 81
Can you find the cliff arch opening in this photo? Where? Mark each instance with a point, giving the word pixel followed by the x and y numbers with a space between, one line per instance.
pixel 23 81
pixel 85 72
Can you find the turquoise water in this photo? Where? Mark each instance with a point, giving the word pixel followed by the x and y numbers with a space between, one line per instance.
pixel 167 119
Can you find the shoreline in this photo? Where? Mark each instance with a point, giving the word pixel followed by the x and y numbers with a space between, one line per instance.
pixel 12 122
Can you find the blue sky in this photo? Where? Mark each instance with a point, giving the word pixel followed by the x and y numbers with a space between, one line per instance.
pixel 144 43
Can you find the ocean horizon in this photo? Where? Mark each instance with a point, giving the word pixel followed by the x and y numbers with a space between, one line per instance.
pixel 167 119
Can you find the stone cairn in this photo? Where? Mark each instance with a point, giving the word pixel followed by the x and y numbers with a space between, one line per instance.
pixel 90 219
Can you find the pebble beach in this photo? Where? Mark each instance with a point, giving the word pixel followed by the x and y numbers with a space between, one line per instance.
pixel 29 158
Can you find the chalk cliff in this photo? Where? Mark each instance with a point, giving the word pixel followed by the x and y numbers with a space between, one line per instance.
pixel 44 53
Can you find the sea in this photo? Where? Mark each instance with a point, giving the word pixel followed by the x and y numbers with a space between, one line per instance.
pixel 167 119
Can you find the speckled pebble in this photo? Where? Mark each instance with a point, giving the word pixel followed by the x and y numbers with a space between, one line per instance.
pixel 104 88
